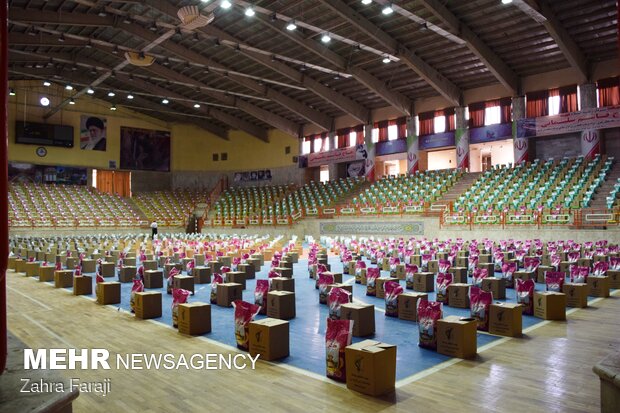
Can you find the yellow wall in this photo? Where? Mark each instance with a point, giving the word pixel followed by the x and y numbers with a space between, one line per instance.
pixel 191 147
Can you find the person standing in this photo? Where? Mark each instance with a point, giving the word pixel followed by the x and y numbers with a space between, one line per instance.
pixel 153 229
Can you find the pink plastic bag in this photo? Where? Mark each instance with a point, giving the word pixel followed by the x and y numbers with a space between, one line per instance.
pixel 137 287
pixel 359 266
pixel 179 296
pixel 217 279
pixel 508 270
pixel 336 297
pixel 525 295
pixel 394 263
pixel 337 337
pixel 600 268
pixel 472 263
pixel 260 295
pixel 170 280
pixel 428 314
pixel 410 271
pixel 531 263
pixel 579 274
pixel 244 313
pixel 444 265
pixel 371 281
pixel 325 279
pixel 554 281
pixel 614 263
pixel 392 290
pixel 441 286
pixel 479 304
pixel 555 261
pixel 478 275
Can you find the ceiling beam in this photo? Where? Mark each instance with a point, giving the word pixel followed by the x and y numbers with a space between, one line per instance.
pixel 399 101
pixel 438 81
pixel 541 12
pixel 340 101
pixel 217 114
pixel 506 76
pixel 322 120
pixel 60 18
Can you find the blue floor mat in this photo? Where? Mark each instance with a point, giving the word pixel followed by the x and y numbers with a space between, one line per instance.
pixel 307 330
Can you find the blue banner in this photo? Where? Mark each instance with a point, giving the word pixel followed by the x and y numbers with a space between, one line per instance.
pixel 436 140
pixel 390 147
pixel 490 133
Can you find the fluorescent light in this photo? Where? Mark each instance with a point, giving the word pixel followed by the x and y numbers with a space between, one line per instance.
pixel 250 12
pixel 11 92
pixel 196 105
pixel 325 38
pixel 46 83
pixel 69 87
pixel 130 96
pixel 72 101
pixel 366 1
pixel 113 107
pixel 111 94
pixel 225 4
pixel 386 59
pixel 506 1
pixel 44 101
pixel 165 101
pixel 90 91
pixel 387 9
pixel 291 26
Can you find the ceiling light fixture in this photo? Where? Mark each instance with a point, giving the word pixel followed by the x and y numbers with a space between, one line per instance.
pixel 44 101
pixel 89 45
pixel 153 27
pixel 326 38
pixel 61 39
pixel 113 107
pixel 111 94
pixel 115 50
pixel 165 101
pixel 11 92
pixel 101 12
pixel 130 96
pixel 196 105
pixel 506 1
pixel 72 101
pixel 90 91
pixel 386 60
pixel 250 11
pixel 195 37
pixel 225 4
pixel 366 2
pixel 127 20
pixel 291 26
pixel 387 10
pixel 46 83
pixel 69 87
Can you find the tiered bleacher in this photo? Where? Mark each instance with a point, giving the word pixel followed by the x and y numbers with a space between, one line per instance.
pixel 37 205
pixel 407 192
pixel 239 203
pixel 169 208
pixel 555 184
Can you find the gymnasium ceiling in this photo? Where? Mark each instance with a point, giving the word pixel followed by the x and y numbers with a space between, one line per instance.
pixel 251 73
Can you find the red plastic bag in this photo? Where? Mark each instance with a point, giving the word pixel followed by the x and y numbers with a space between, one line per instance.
pixel 579 274
pixel 244 313
pixel 371 281
pixel 444 265
pixel 337 337
pixel 137 287
pixel 600 268
pixel 478 275
pixel 169 281
pixel 260 295
pixel 325 279
pixel 179 296
pixel 554 280
pixel 472 263
pixel 428 314
pixel 531 263
pixel 392 290
pixel 359 266
pixel 525 295
pixel 479 304
pixel 217 279
pixel 410 270
pixel 508 270
pixel 336 297
pixel 441 286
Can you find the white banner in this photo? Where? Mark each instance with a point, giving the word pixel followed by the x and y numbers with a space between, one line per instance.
pixel 348 154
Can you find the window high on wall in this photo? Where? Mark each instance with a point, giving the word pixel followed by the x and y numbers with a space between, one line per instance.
pixel 440 124
pixel 492 115
pixel 352 138
pixel 305 147
pixel 392 132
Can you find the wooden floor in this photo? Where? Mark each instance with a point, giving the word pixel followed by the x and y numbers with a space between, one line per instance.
pixel 548 370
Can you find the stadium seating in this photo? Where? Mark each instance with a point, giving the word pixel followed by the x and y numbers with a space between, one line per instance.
pixel 169 207
pixel 238 202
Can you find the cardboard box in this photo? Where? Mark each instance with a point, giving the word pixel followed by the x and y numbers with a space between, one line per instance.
pixel 597 258
pixel 286 264
pixel 598 286
pixel 576 294
pixel 371 367
pixel 540 273
pixel 433 266
pixel 127 274
pixel 108 292
pixel 614 278
pixel 147 304
pixel 248 269
pixel 283 284
pixel 459 274
pixel 149 264
pixel 168 267
pixel 269 338
pixel 71 262
pixel 363 316
pixel 524 275
pixel 550 305
pixel 130 261
pixel 108 269
pixel 400 272
pixel 456 337
pixel 199 260
pixel 194 318
pixel 424 282
pixel 379 284
pixel 202 275
pixel 347 287
pixel 458 295
pixel 416 259
pixel 185 282
pixel 584 262
pixel 260 258
pixel 484 259
pixel 497 286
pixel 153 279
pixel 284 271
pixel 227 293
pixel 462 262
pixel 237 277
pixel 46 273
pixel 32 268
pixel 83 285
pixel 506 319
pixel 565 266
pixel 63 278
pixel 337 279
pixel 408 305
pixel 281 305
pixel 89 266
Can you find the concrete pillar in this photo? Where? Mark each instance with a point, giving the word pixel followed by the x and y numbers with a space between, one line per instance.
pixel 520 145
pixel 461 139
pixel 370 153
pixel 590 138
pixel 331 138
pixel 413 157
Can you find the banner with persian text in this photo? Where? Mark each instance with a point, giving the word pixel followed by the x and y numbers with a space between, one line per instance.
pixel 348 154
pixel 600 118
